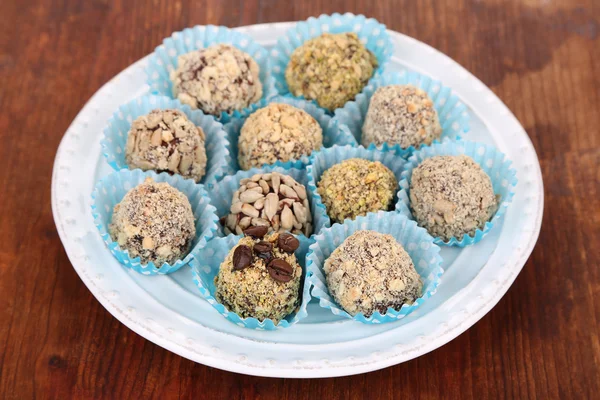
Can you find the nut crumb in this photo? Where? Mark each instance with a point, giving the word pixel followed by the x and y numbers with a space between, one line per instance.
pixel 278 131
pixel 403 115
pixel 331 69
pixel 167 141
pixel 155 222
pixel 451 196
pixel 371 271
pixel 219 78
pixel 355 187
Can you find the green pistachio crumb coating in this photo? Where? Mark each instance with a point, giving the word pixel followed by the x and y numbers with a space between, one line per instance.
pixel 331 69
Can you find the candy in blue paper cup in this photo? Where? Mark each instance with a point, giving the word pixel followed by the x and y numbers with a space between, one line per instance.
pixel 493 162
pixel 217 146
pixel 224 191
pixel 415 240
pixel 327 158
pixel 370 32
pixel 332 134
pixel 453 115
pixel 165 60
pixel 205 267
pixel 110 191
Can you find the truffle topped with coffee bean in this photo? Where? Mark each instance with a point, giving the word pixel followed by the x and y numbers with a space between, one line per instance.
pixel 217 79
pixel 167 141
pixel 273 200
pixel 261 277
pixel 155 222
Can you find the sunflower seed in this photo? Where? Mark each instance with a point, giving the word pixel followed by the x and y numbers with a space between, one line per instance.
pixel 288 191
pixel 299 212
pixel 276 181
pixel 287 218
pixel 249 210
pixel 271 204
pixel 265 186
pixel 259 204
pixel 250 196
pixel 236 208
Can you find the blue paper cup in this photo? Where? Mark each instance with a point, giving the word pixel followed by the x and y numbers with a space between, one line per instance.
pixel 205 267
pixel 453 114
pixel 415 240
pixel 332 134
pixel 164 58
pixel 371 33
pixel 222 193
pixel 493 162
pixel 110 191
pixel 217 146
pixel 325 159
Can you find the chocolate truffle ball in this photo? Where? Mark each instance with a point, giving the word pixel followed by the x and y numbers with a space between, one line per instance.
pixel 370 272
pixel 401 114
pixel 278 131
pixel 155 222
pixel 273 200
pixel 260 277
pixel 331 69
pixel 355 187
pixel 219 78
pixel 451 196
pixel 167 141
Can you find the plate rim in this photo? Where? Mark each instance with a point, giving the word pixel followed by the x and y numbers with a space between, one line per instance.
pixel 426 344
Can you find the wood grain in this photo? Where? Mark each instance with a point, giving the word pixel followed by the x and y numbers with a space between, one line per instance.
pixel 540 341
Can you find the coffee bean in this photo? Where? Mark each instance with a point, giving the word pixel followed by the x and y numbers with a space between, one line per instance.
pixel 242 257
pixel 264 250
pixel 256 231
pixel 287 242
pixel 280 270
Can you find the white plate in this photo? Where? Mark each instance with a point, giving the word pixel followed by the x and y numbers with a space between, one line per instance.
pixel 169 311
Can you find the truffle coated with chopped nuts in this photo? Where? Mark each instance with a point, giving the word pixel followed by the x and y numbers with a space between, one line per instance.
pixel 276 201
pixel 167 141
pixel 403 115
pixel 217 79
pixel 371 271
pixel 277 132
pixel 259 279
pixel 451 196
pixel 331 69
pixel 155 222
pixel 355 187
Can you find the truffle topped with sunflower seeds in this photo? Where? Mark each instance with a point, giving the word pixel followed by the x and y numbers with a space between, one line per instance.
pixel 371 271
pixel 261 277
pixel 451 196
pixel 355 187
pixel 155 222
pixel 403 115
pixel 273 200
pixel 167 141
pixel 217 79
pixel 277 132
pixel 331 69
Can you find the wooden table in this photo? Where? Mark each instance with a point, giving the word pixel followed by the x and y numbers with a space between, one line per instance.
pixel 540 341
